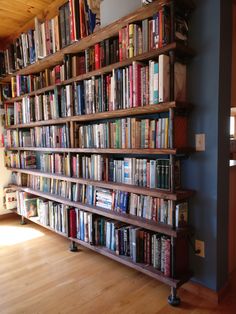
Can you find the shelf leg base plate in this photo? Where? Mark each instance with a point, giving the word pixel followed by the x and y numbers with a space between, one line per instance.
pixel 73 247
pixel 173 300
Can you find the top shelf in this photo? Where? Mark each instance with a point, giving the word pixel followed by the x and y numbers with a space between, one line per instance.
pixel 102 34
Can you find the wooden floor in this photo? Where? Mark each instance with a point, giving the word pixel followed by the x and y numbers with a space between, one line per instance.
pixel 38 274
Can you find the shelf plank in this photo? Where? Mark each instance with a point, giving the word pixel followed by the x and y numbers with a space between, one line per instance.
pixel 126 218
pixel 150 109
pixel 123 151
pixel 145 269
pixel 33 93
pixel 153 54
pixel 177 196
pixel 100 35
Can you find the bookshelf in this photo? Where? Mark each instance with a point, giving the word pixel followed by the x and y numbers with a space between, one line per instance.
pixel 173 272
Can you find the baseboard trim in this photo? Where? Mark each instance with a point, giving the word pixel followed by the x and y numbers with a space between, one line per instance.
pixel 7 216
pixel 213 296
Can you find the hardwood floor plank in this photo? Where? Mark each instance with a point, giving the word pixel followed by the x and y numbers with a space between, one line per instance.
pixel 41 275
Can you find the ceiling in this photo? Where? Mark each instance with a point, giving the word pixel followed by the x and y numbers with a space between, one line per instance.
pixel 14 14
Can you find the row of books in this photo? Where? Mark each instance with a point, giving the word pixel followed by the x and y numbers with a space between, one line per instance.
pixel 140 245
pixel 47 136
pixel 22 160
pixel 75 21
pixel 24 84
pixel 133 86
pixel 48 213
pixel 134 133
pixel 144 206
pixel 122 133
pixel 152 33
pixel 140 172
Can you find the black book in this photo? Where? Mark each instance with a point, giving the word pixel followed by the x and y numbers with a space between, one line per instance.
pixel 77 19
pixel 2 64
pixel 62 26
pixel 107 52
pixel 67 23
pixel 102 53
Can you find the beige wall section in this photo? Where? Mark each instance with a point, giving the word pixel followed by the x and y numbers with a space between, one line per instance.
pixel 4 174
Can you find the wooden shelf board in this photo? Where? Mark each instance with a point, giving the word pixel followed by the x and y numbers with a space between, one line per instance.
pixel 153 54
pixel 36 221
pixel 100 35
pixel 126 218
pixel 176 196
pixel 33 93
pixel 150 109
pixel 146 269
pixel 123 151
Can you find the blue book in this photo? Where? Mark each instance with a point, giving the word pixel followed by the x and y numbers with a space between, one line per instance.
pixel 125 202
pixel 156 83
pixel 81 221
pixel 31 46
pixel 113 237
pixel 80 99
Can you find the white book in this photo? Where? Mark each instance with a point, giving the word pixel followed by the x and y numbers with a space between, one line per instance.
pixel 153 179
pixel 53 35
pixel 151 79
pixel 43 34
pixel 164 78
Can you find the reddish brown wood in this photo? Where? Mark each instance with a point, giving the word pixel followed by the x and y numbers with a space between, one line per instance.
pixel 177 196
pixel 126 218
pixel 148 270
pixel 150 109
pixel 123 151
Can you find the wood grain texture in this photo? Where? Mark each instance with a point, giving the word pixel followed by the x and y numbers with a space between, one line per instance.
pixel 177 196
pixel 123 151
pixel 150 109
pixel 16 16
pixel 37 273
pixel 127 218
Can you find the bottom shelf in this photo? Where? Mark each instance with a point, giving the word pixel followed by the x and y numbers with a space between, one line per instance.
pixel 146 269
pixel 36 221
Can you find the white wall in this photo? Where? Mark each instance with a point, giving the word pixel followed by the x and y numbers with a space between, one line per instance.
pixel 4 173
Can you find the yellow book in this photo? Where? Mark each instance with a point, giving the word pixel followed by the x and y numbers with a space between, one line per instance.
pixel 166 132
pixel 131 40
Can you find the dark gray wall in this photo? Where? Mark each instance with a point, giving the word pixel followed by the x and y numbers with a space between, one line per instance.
pixel 207 172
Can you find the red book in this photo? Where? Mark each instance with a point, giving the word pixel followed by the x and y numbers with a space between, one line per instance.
pixel 83 29
pixel 136 84
pixel 47 32
pixel 160 28
pixel 131 86
pixel 72 219
pixel 72 21
pixel 167 258
pixel 120 45
pixel 148 174
pixel 97 57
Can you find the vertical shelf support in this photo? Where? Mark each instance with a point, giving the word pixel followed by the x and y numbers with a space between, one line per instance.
pixel 72 134
pixel 173 299
pixel 73 246
pixel 22 221
pixel 172 173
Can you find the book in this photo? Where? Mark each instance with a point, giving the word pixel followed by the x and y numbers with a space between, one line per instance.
pixel 181 214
